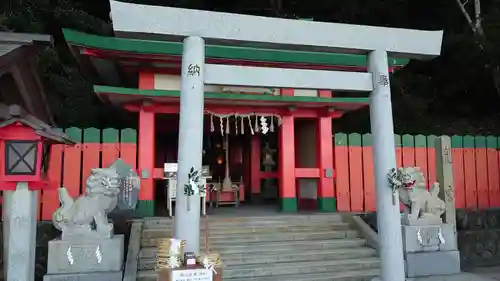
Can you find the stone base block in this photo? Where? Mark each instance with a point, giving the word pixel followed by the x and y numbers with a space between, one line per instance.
pixel 66 257
pixel 99 276
pixel 427 238
pixel 432 263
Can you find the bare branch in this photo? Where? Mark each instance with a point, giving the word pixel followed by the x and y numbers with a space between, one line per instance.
pixel 466 15
pixel 479 18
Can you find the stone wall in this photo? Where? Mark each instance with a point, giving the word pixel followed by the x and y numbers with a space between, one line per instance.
pixel 46 232
pixel 478 236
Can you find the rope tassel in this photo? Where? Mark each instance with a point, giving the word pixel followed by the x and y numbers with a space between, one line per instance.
pixel 242 120
pixel 250 125
pixel 256 129
pixel 212 126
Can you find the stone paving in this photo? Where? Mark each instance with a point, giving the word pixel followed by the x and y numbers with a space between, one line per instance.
pixel 476 274
pixel 488 272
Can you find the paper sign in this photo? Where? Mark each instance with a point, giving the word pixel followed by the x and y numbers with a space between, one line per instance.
pixel 170 167
pixel 192 275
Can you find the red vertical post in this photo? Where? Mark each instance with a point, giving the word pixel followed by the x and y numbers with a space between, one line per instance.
pixel 326 192
pixel 146 147
pixel 286 164
pixel 255 166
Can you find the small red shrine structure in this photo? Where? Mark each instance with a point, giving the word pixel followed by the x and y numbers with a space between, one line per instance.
pixel 143 76
pixel 24 148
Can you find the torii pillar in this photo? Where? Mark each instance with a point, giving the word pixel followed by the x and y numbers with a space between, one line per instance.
pixel 384 157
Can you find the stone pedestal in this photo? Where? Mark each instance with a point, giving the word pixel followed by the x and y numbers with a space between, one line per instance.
pixel 97 259
pixel 430 250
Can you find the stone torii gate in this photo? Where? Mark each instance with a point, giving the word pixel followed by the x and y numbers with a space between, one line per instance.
pixel 196 27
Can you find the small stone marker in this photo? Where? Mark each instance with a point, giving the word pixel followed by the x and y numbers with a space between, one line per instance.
pixel 444 174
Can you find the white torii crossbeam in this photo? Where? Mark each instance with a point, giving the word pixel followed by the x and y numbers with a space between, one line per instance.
pixel 145 21
pixel 195 27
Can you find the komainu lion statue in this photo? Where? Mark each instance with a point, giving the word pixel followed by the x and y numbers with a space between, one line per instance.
pixel 422 207
pixel 77 218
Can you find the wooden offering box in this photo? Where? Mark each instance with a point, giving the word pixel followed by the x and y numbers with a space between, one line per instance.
pixel 191 273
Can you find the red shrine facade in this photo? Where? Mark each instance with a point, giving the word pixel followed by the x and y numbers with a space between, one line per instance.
pixel 275 144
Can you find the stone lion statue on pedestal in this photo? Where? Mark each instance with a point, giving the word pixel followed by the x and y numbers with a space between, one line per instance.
pixel 422 206
pixel 86 217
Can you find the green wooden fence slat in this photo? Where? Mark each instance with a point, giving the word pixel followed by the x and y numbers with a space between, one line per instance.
pixel 431 141
pixel 408 141
pixel 354 139
pixel 491 142
pixel 74 134
pixel 397 140
pixel 468 141
pixel 128 136
pixel 110 135
pixel 92 135
pixel 457 141
pixel 367 140
pixel 480 141
pixel 341 139
pixel 420 141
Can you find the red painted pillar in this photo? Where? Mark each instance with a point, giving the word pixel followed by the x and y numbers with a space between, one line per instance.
pixel 146 147
pixel 324 137
pixel 255 166
pixel 286 161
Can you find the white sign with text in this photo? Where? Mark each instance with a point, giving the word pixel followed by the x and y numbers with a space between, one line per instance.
pixel 192 275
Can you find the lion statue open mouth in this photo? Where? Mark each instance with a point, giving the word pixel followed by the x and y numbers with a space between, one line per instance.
pixel 421 206
pixel 76 218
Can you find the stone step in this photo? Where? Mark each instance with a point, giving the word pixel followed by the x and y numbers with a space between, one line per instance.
pixel 272 247
pixel 356 275
pixel 263 270
pixel 167 231
pixel 259 220
pixel 332 254
pixel 345 270
pixel 220 239
pixel 286 236
pixel 265 258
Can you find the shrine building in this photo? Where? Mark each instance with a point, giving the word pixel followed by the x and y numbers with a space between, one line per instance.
pixel 274 144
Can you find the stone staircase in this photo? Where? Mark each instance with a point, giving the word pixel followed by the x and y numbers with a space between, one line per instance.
pixel 317 247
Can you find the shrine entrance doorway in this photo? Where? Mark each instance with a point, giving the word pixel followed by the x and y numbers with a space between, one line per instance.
pixel 235 150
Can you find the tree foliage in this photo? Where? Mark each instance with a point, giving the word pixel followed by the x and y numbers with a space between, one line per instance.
pixel 458 92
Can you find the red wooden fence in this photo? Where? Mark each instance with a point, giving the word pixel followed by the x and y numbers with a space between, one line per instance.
pixel 475 168
pixel 70 166
pixel 476 163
